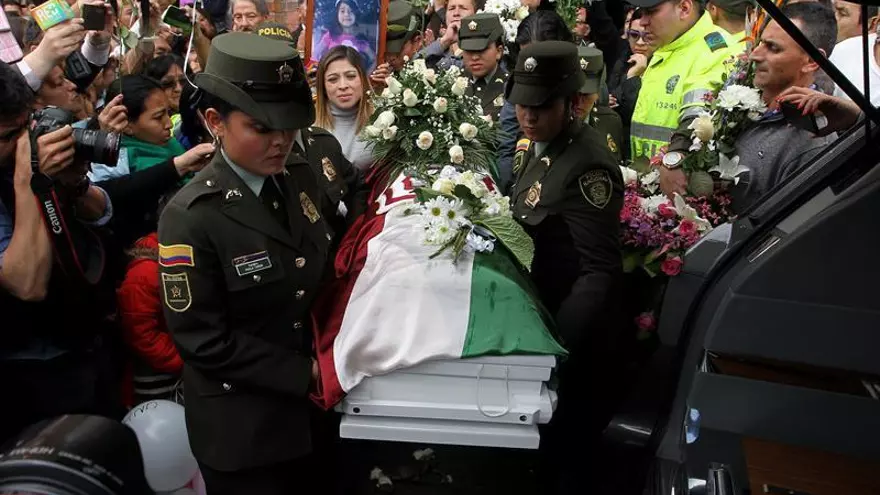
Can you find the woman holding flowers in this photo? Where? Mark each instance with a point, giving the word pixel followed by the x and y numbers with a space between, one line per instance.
pixel 568 195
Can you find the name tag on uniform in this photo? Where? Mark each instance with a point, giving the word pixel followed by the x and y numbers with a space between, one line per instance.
pixel 252 263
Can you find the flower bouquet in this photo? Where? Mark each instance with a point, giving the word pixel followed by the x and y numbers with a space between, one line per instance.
pixel 511 13
pixel 428 130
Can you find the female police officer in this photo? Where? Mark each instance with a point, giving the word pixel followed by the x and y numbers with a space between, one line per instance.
pixel 568 194
pixel 242 250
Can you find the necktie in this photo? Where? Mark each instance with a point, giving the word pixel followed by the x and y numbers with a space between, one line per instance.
pixel 273 199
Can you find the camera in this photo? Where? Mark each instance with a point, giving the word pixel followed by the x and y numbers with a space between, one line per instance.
pixel 89 145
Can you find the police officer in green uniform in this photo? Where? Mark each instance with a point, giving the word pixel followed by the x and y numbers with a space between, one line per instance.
pixel 481 37
pixel 243 248
pixel 598 116
pixel 342 182
pixel 568 194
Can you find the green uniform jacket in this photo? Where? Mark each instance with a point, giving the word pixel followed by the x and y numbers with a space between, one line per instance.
pixel 569 200
pixel 341 181
pixel 678 78
pixel 490 92
pixel 236 288
pixel 607 122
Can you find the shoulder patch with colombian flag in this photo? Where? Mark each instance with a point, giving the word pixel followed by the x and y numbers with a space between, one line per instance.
pixel 176 255
pixel 596 187
pixel 715 41
pixel 523 145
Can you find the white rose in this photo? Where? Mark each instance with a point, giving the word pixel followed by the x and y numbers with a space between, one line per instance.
pixel 453 71
pixel 425 140
pixel 394 86
pixel 385 119
pixel 440 105
pixel 703 127
pixel 389 133
pixel 372 131
pixel 442 185
pixel 409 98
pixel 474 183
pixel 522 13
pixel 420 66
pixel 430 76
pixel 459 86
pixel 488 119
pixel 449 172
pixel 630 176
pixel 468 131
pixel 456 155
pixel 386 93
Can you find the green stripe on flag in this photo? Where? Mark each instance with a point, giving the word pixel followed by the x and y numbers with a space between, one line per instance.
pixel 505 316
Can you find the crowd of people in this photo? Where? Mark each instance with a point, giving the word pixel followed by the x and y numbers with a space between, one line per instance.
pixel 254 161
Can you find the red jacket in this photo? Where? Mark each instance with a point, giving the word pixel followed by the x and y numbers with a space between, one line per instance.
pixel 140 311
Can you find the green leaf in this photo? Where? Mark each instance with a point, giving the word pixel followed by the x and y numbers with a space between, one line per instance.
pixel 700 183
pixel 631 261
pixel 424 194
pixel 458 244
pixel 412 112
pixel 513 237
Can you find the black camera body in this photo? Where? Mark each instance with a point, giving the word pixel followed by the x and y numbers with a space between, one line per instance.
pixel 89 145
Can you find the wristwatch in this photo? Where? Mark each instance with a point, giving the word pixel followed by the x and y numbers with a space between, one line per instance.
pixel 672 160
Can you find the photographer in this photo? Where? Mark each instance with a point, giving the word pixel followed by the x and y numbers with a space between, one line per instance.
pixel 52 360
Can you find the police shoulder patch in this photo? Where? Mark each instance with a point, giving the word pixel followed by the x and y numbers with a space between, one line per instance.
pixel 715 41
pixel 595 185
pixel 175 291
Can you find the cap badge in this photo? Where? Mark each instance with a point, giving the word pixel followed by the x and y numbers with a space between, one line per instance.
pixel 530 64
pixel 584 64
pixel 285 74
pixel 472 25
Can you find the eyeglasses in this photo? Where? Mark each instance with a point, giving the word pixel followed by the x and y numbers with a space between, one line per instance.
pixel 634 36
pixel 170 83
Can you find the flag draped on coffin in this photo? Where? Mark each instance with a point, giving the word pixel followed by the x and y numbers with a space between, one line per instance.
pixel 391 306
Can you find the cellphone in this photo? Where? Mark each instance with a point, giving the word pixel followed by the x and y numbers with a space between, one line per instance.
pixel 796 118
pixel 51 13
pixel 93 17
pixel 176 17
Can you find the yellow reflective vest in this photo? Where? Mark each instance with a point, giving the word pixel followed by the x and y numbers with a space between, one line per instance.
pixel 678 78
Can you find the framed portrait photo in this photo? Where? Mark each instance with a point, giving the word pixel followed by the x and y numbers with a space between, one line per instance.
pixel 359 24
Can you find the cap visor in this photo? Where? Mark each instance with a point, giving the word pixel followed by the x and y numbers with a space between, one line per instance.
pixel 473 44
pixel 277 115
pixel 530 96
pixel 394 46
pixel 590 87
pixel 645 4
pixel 288 115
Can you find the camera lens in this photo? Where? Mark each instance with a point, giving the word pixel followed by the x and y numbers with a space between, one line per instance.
pixel 97 146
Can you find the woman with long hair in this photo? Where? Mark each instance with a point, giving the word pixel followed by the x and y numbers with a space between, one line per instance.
pixel 343 107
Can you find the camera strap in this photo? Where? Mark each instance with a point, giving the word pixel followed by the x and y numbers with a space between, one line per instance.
pixel 77 249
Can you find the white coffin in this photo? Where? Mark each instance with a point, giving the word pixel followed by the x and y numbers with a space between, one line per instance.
pixel 432 431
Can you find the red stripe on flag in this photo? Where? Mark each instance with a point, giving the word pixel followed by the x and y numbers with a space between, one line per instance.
pixel 329 308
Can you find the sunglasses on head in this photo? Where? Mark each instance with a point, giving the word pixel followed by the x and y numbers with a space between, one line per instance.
pixel 638 35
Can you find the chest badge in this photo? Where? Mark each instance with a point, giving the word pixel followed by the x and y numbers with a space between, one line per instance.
pixel 329 169
pixel 611 144
pixel 308 207
pixel 533 196
pixel 671 83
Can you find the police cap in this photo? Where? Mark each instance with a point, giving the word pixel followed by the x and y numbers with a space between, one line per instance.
pixel 260 76
pixel 593 65
pixel 402 24
pixel 737 7
pixel 545 70
pixel 478 31
pixel 275 31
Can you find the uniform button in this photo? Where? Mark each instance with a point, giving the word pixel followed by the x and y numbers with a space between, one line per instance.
pixel 300 294
pixel 227 387
pixel 209 183
pixel 523 217
pixel 257 278
pixel 329 237
pixel 297 325
pixel 300 262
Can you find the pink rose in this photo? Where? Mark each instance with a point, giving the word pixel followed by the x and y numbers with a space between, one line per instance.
pixel 687 227
pixel 646 321
pixel 671 266
pixel 667 211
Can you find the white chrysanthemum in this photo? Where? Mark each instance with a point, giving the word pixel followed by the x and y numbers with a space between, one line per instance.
pixel 739 96
pixel 435 210
pixel 425 140
pixel 439 233
pixel 457 215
